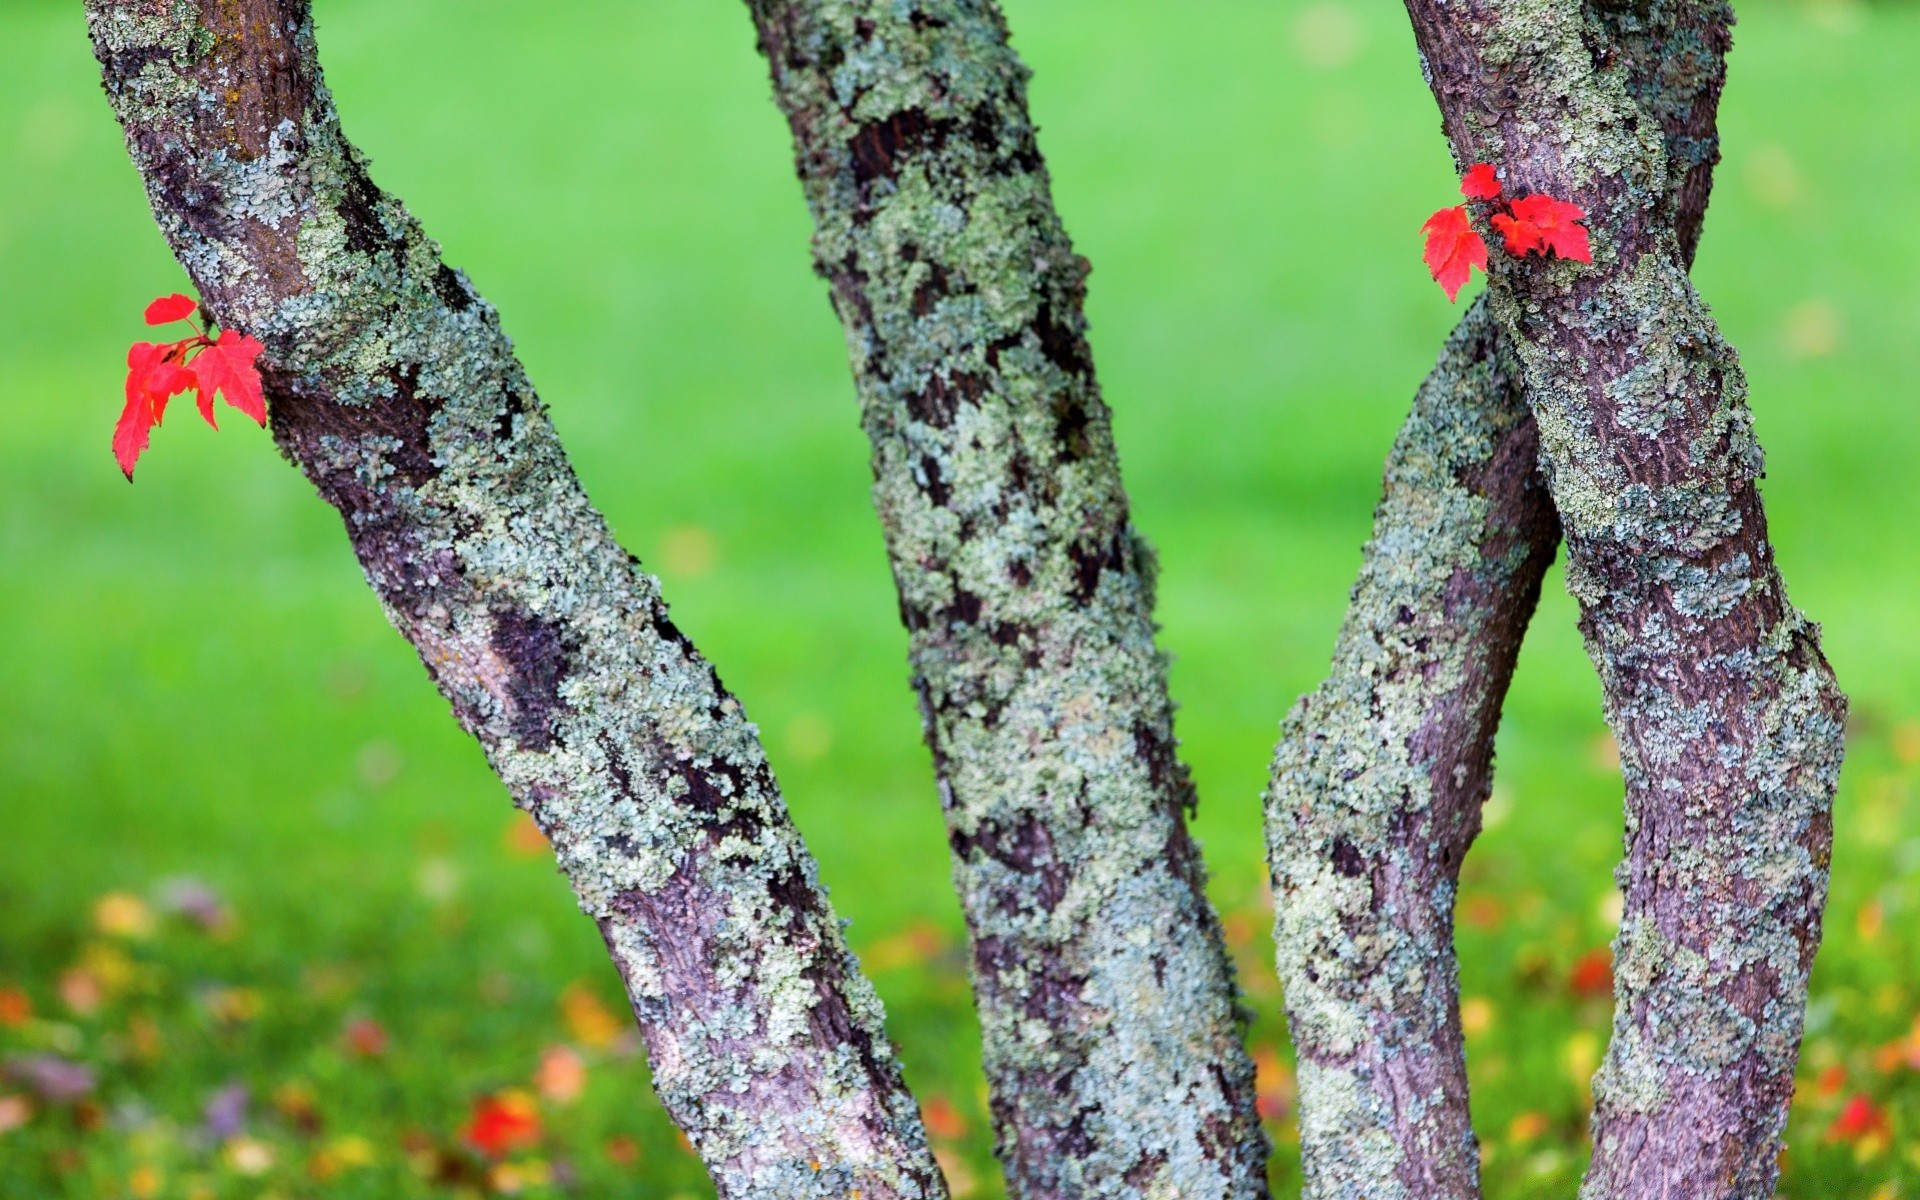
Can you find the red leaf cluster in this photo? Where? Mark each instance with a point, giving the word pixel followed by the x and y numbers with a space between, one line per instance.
pixel 1543 224
pixel 209 366
pixel 1529 224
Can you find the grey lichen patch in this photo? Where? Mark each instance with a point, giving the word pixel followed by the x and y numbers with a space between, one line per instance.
pixel 1650 453
pixel 1112 1036
pixel 395 390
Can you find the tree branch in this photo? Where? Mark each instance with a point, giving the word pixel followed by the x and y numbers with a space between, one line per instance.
pixel 1728 718
pixel 396 393
pixel 1380 774
pixel 1113 1044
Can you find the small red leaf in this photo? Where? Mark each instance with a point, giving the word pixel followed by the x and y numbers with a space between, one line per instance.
pixel 153 377
pixel 1453 249
pixel 170 308
pixel 1520 237
pixel 1480 182
pixel 227 367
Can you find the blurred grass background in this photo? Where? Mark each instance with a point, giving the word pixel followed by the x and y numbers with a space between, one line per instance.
pixel 195 682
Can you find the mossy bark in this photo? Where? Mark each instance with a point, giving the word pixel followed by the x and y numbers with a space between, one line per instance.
pixel 1380 773
pixel 1728 717
pixel 1113 1042
pixel 395 391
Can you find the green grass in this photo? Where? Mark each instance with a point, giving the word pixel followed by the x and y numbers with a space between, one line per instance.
pixel 195 681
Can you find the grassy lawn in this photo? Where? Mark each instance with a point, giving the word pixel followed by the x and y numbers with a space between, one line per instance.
pixel 244 844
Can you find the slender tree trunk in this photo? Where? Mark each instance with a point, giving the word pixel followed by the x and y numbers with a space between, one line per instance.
pixel 394 390
pixel 1113 1043
pixel 1728 718
pixel 1379 778
pixel 1380 773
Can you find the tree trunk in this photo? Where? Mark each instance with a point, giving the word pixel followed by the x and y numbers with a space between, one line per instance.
pixel 1728 718
pixel 1113 1043
pixel 394 390
pixel 1380 773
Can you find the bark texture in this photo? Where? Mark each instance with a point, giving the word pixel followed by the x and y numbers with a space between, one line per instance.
pixel 1113 1041
pixel 395 391
pixel 1727 715
pixel 1380 774
pixel 1379 778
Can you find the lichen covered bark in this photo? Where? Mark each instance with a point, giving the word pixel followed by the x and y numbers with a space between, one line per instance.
pixel 395 391
pixel 1113 1042
pixel 1379 779
pixel 1380 773
pixel 1728 718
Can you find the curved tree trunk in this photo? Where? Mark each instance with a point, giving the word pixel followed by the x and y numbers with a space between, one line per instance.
pixel 394 390
pixel 1380 774
pixel 1727 715
pixel 1113 1043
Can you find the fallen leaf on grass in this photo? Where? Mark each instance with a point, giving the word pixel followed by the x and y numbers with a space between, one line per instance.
pixel 589 1020
pixel 365 1038
pixel 561 1076
pixel 1527 1127
pixel 621 1150
pixel 943 1120
pixel 122 914
pixel 523 837
pixel 1273 1084
pixel 502 1123
pixel 1859 1121
pixel 1592 974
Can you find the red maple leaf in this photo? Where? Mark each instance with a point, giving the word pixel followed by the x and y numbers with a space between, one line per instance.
pixel 503 1123
pixel 227 367
pixel 154 376
pixel 1480 182
pixel 158 371
pixel 1453 249
pixel 1547 225
pixel 170 308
